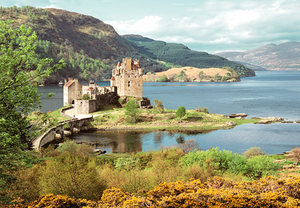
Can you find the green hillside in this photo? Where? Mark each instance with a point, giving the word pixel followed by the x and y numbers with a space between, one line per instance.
pixel 180 54
pixel 91 48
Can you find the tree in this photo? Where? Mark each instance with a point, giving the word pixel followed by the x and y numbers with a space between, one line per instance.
pixel 20 71
pixel 159 106
pixel 131 111
pixel 180 112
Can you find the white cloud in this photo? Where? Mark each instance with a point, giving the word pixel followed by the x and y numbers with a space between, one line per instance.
pixel 220 24
pixel 146 25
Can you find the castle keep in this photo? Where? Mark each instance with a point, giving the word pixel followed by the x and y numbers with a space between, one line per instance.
pixel 126 81
pixel 128 78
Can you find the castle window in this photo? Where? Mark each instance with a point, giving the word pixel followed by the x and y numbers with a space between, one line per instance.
pixel 129 83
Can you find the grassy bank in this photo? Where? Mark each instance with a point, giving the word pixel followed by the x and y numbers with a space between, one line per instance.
pixel 151 120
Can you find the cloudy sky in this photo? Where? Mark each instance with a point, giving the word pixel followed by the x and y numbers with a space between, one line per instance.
pixel 204 25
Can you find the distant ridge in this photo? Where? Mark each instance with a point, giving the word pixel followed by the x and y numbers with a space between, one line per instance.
pixel 285 56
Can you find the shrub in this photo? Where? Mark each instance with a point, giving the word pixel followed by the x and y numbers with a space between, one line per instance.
pixel 204 110
pixel 72 172
pixel 131 111
pixel 133 181
pixel 158 105
pixel 260 166
pixel 221 161
pixel 164 171
pixel 163 78
pixel 180 112
pixel 26 184
pixel 199 172
pixel 189 146
pixel 125 163
pixel 86 97
pixel 253 151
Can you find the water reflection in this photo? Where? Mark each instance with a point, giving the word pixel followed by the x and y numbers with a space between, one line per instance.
pixel 272 138
pixel 127 141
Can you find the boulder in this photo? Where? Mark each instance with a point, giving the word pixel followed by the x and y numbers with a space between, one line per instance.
pixel 287 121
pixel 76 131
pixel 57 136
pixel 268 120
pixel 67 133
pixel 238 115
pixel 230 123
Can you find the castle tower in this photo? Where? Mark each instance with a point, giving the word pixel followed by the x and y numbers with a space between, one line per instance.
pixel 128 78
pixel 72 91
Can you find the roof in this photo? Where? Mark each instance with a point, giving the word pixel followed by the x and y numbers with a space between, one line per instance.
pixel 69 83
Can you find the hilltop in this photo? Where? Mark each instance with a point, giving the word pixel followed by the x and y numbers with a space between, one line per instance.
pixel 91 48
pixel 283 56
pixel 193 74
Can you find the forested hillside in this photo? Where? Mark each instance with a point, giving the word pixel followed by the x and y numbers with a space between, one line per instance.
pixel 180 54
pixel 91 48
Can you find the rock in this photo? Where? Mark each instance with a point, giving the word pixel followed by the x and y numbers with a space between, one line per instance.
pixel 268 120
pixel 238 115
pixel 67 133
pixel 263 122
pixel 76 131
pixel 298 121
pixel 287 121
pixel 57 136
pixel 230 123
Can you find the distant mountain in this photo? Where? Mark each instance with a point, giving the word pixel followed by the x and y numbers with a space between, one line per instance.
pixel 179 54
pixel 285 56
pixel 252 66
pixel 91 48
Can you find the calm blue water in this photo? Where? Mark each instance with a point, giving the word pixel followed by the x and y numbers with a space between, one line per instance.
pixel 267 94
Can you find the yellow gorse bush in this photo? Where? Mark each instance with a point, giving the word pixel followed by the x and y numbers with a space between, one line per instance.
pixel 216 192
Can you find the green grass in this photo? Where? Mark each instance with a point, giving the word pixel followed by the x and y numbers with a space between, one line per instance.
pixel 152 120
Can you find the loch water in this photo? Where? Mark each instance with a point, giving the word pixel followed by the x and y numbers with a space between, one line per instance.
pixel 270 93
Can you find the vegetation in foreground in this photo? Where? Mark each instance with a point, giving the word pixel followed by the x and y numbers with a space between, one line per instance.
pixel 21 70
pixel 73 176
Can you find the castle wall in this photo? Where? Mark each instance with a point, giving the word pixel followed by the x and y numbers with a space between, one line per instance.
pixel 85 106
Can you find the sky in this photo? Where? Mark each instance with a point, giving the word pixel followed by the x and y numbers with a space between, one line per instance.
pixel 203 25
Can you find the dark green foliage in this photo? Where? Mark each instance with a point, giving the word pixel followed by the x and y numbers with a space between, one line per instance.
pixel 226 161
pixel 131 111
pixel 86 97
pixel 260 166
pixel 180 112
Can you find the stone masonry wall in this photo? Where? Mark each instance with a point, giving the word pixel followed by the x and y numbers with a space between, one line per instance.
pixel 85 106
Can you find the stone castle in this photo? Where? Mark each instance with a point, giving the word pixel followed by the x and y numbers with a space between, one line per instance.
pixel 126 81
